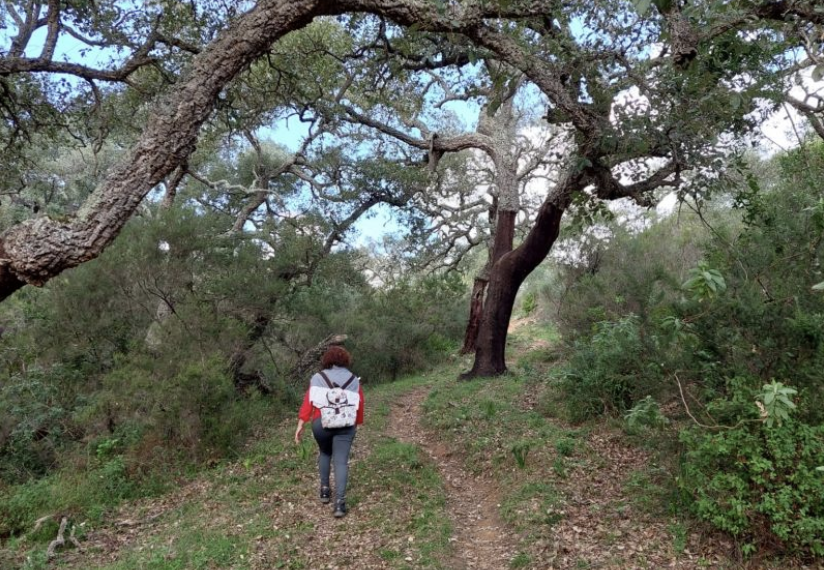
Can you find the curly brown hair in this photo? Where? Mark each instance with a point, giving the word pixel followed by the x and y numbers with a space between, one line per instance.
pixel 335 356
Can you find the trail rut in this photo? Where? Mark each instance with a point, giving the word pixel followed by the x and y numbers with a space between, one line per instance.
pixel 481 540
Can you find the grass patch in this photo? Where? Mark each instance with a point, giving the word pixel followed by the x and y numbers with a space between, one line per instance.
pixel 191 549
pixel 86 495
pixel 531 506
pixel 520 560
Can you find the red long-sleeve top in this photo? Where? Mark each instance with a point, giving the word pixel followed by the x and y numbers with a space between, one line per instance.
pixel 310 413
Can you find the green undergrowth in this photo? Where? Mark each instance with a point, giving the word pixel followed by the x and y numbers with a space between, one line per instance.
pixel 252 513
pixel 514 430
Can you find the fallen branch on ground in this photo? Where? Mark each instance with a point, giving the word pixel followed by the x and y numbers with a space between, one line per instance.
pixel 60 540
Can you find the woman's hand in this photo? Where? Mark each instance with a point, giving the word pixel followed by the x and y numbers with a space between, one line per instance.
pixel 299 431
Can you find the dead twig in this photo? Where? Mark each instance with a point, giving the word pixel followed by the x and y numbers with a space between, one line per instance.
pixel 74 540
pixel 39 522
pixel 132 522
pixel 705 426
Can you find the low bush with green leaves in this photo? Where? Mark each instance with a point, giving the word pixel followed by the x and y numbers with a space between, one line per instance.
pixel 760 483
pixel 645 414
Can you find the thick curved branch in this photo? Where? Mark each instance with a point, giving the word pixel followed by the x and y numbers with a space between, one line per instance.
pixel 36 250
pixel 609 188
pixel 783 10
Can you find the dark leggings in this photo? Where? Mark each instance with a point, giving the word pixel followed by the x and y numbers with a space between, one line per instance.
pixel 334 444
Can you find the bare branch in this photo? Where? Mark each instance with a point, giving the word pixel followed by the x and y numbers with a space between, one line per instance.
pixel 810 113
pixel 443 144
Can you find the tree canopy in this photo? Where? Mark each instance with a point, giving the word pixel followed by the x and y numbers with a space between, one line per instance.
pixel 645 93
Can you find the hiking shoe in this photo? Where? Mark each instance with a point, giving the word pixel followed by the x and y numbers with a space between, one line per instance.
pixel 325 495
pixel 340 509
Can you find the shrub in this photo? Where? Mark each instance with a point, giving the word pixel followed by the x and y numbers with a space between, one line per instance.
pixel 529 303
pixel 408 326
pixel 34 421
pixel 760 483
pixel 196 411
pixel 609 372
pixel 727 302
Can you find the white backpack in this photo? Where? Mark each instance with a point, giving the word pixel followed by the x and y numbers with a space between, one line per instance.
pixel 338 406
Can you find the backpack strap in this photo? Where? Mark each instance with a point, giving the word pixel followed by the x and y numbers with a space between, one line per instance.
pixel 326 379
pixel 346 384
pixel 332 386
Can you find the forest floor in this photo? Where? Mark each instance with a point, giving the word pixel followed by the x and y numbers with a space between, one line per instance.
pixel 444 475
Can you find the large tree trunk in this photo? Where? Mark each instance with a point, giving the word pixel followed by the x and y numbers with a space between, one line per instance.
pixel 510 271
pixel 503 211
pixel 504 239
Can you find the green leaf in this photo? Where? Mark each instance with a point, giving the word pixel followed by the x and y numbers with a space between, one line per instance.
pixel 692 282
pixel 818 72
pixel 786 402
pixel 818 286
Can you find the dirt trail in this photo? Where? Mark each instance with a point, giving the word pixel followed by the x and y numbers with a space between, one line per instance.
pixel 481 540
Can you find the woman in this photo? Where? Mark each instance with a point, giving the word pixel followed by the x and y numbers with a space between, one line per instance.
pixel 333 443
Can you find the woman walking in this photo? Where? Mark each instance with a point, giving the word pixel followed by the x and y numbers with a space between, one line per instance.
pixel 334 405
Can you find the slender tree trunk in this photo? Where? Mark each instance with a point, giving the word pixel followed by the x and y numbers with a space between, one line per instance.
pixel 154 334
pixel 309 361
pixel 476 305
pixel 510 271
pixel 165 309
pixel 244 380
